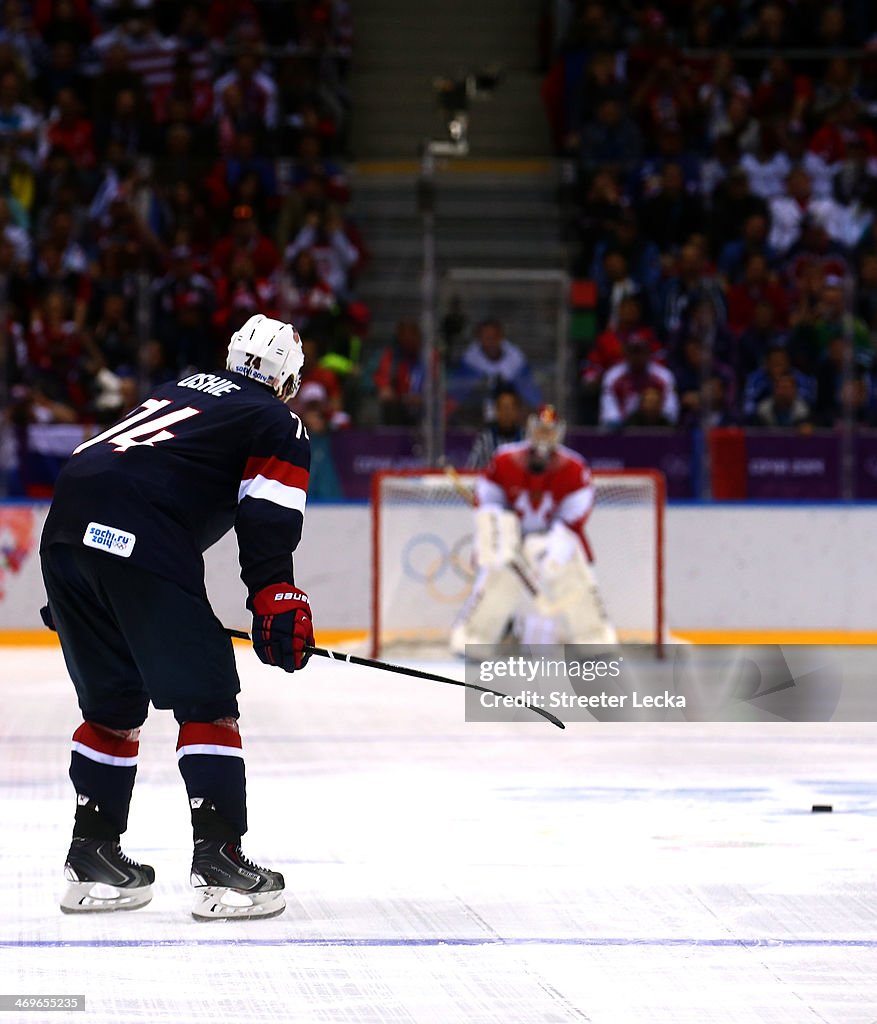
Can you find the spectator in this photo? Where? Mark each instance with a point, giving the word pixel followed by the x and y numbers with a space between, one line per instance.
pixel 67 129
pixel 769 30
pixel 758 285
pixel 733 204
pixel 718 410
pixel 790 213
pixel 245 239
pixel 183 306
pixel 716 94
pixel 672 215
pixel 62 233
pixel 188 93
pixel 241 293
pixel 257 92
pixel 671 149
pixel 50 275
pixel 664 99
pixel 761 384
pixel 244 177
pixel 316 372
pixel 757 339
pixel 612 139
pixel 735 254
pixel 781 94
pixel 843 127
pixel 334 254
pixel 624 384
pixel 650 410
pixel 601 208
pixel 855 177
pixel 114 334
pixel 17 237
pixel 304 295
pixel 866 292
pixel 643 262
pixel 506 427
pixel 614 285
pixel 60 359
pixel 783 408
pixel 820 173
pixel 127 127
pixel 690 286
pixel 399 377
pixel 492 359
pixel 856 403
pixel 830 319
pixel 19 124
pixel 608 349
pixel 838 368
pixel 696 373
pixel 315 411
pixel 767 168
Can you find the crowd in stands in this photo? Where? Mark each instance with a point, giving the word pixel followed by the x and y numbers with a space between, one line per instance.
pixel 724 204
pixel 166 170
pixel 169 168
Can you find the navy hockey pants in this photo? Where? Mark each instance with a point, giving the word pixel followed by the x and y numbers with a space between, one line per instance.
pixel 130 637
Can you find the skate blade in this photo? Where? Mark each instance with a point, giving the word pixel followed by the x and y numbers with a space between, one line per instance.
pixel 98 897
pixel 216 903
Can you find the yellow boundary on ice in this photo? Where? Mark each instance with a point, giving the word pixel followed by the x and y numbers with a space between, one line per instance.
pixel 340 637
pixel 45 638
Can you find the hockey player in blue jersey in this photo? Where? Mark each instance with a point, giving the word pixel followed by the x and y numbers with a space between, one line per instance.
pixel 134 510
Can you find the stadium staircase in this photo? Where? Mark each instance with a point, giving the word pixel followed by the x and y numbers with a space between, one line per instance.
pixel 495 208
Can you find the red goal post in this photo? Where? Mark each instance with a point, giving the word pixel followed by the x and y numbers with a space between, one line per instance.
pixel 422 566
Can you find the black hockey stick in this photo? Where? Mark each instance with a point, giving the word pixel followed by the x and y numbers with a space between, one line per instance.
pixel 385 666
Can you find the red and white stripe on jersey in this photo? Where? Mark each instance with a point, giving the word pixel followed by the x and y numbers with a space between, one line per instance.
pixel 575 508
pixel 102 745
pixel 274 480
pixel 208 738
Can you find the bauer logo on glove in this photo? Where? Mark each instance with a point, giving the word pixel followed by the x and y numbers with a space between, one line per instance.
pixel 282 626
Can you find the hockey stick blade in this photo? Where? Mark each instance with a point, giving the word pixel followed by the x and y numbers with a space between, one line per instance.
pixel 385 666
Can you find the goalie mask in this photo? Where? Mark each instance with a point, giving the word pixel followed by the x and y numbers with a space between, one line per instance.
pixel 270 352
pixel 545 432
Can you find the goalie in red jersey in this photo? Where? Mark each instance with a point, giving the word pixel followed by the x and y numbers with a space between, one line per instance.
pixel 534 562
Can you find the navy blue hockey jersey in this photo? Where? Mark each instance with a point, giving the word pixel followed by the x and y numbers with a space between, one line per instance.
pixel 197 457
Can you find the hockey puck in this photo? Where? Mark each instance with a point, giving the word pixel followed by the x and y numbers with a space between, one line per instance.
pixel 821 809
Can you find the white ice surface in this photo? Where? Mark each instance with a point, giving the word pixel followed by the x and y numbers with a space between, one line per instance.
pixel 455 873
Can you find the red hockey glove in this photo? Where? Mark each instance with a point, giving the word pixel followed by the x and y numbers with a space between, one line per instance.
pixel 282 627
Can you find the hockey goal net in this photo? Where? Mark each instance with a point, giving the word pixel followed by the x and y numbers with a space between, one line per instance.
pixel 422 556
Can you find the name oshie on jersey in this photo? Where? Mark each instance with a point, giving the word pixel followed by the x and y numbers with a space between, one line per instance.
pixel 106 538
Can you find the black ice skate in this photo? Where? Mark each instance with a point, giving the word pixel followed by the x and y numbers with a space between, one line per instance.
pixel 102 878
pixel 231 887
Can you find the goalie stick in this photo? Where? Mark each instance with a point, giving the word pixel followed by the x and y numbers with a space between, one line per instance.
pixel 517 565
pixel 385 666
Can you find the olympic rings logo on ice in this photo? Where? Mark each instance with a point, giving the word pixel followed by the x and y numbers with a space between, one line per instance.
pixel 445 570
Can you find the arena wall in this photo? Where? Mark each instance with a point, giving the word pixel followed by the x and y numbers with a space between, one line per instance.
pixel 728 568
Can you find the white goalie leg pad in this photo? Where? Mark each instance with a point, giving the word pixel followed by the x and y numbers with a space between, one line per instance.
pixel 568 608
pixel 497 537
pixel 493 603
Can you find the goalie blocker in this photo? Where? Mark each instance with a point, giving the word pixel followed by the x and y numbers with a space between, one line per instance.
pixel 534 571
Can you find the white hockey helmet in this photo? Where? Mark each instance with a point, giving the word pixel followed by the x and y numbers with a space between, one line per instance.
pixel 270 352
